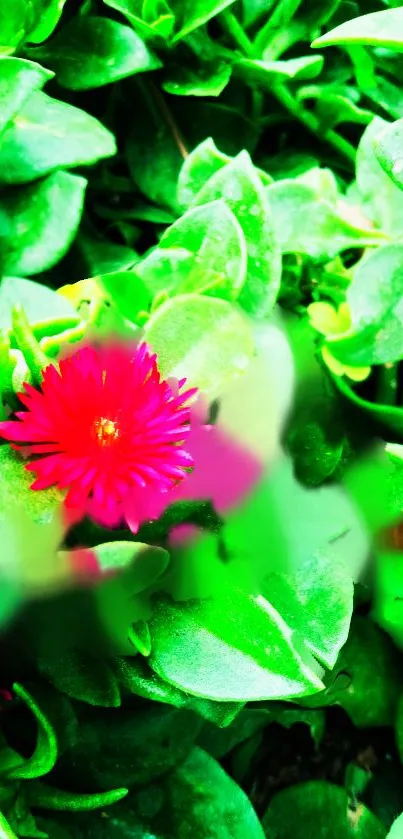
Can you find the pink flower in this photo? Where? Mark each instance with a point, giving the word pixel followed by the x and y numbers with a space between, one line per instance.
pixel 109 430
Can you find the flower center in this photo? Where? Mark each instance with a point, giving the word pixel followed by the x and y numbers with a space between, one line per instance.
pixel 106 431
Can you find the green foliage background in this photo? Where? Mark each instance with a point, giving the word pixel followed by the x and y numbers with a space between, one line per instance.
pixel 225 178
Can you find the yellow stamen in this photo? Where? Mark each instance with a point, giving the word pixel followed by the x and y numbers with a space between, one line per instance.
pixel 106 430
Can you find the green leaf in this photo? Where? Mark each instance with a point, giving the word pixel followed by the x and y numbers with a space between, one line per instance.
pixel 39 302
pixel 239 185
pixel 375 300
pixel 144 563
pixel 378 29
pixel 388 149
pixel 366 680
pixel 207 80
pixel 36 240
pixel 49 798
pixel 82 677
pixel 93 51
pixel 323 809
pixel 19 78
pixel 15 487
pixel 16 20
pixel 154 166
pixel 50 17
pixel 191 17
pixel 46 750
pixel 203 338
pixel 137 677
pixel 197 797
pixel 309 225
pixel 268 72
pixel 381 199
pixel 158 26
pixel 216 263
pixel 234 648
pixel 46 135
pixel 203 162
pixel 129 747
pixel 128 292
pixel 396 831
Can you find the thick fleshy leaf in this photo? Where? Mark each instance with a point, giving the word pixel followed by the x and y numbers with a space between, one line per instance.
pixel 45 754
pixel 306 224
pixel 199 647
pixel 128 293
pixel 35 238
pixel 381 199
pixel 377 29
pixel 153 19
pixel 388 149
pixel 322 808
pixel 48 21
pixel 198 797
pixel 15 484
pixel 46 135
pixel 205 81
pixel 375 301
pixel 93 51
pixel 82 677
pixel 212 255
pixel 19 78
pixel 396 831
pixel 239 185
pixel 203 338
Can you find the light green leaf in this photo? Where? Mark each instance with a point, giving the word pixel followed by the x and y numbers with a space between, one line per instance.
pixel 17 18
pixel 144 563
pixel 15 488
pixel 375 301
pixel 203 338
pixel 47 135
pixel 388 149
pixel 396 831
pixel 378 29
pixel 36 239
pixel 190 17
pixel 381 199
pixel 323 809
pixel 215 243
pixel 239 185
pixel 93 51
pixel 18 80
pixel 268 72
pixel 233 648
pixel 40 303
pixel 308 225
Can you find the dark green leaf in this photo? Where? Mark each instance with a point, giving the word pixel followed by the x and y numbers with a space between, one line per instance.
pixel 46 750
pixel 323 809
pixel 82 677
pixel 191 17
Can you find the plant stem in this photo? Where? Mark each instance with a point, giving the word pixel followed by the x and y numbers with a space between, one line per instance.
pixel 311 122
pixel 386 391
pixel 233 27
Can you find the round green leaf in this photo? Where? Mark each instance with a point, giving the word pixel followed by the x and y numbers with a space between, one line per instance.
pixel 323 810
pixel 47 135
pixel 36 239
pixel 93 51
pixel 239 185
pixel 214 238
pixel 128 292
pixel 234 648
pixel 205 339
